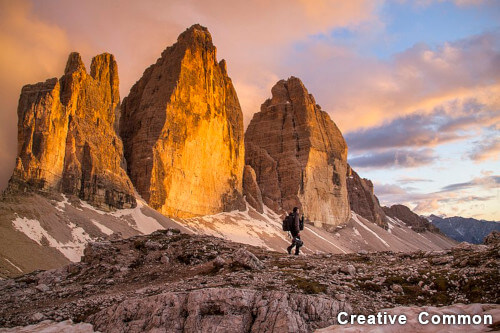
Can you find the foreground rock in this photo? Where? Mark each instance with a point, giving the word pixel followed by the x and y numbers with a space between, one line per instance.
pixel 299 155
pixel 221 310
pixel 182 129
pixel 66 136
pixel 176 282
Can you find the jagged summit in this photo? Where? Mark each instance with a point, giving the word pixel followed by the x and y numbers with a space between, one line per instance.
pixel 74 63
pixel 182 128
pixel 66 136
pixel 299 155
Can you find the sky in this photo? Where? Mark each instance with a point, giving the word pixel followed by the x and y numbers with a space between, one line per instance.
pixel 414 86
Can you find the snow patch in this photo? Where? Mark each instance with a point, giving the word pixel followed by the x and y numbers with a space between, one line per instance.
pixel 62 204
pixel 323 238
pixel 73 250
pixel 10 262
pixel 102 228
pixel 144 224
pixel 355 218
pixel 238 226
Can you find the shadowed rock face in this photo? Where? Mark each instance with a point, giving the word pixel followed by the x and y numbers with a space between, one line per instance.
pixel 182 129
pixel 362 200
pixel 416 222
pixel 251 189
pixel 299 155
pixel 66 135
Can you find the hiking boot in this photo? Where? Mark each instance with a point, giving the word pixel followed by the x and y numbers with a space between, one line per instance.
pixel 289 250
pixel 296 253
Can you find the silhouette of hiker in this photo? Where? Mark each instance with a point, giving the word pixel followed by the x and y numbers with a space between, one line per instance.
pixel 295 231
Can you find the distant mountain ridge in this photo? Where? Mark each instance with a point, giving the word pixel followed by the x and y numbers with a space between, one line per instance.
pixel 464 229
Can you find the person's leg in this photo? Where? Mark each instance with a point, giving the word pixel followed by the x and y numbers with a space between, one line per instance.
pixel 298 244
pixel 289 249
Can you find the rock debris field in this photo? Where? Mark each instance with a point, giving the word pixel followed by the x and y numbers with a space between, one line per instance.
pixel 173 282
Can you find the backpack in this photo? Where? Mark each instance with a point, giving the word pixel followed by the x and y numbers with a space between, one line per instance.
pixel 288 222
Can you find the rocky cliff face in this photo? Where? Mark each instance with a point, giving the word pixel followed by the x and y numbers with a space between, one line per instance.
pixel 416 222
pixel 66 135
pixel 362 200
pixel 299 155
pixel 251 189
pixel 182 129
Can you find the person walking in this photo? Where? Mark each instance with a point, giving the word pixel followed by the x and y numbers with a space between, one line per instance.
pixel 295 231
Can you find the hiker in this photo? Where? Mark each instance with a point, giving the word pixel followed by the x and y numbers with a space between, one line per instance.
pixel 295 231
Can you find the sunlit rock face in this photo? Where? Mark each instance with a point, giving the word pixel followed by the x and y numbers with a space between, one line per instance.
pixel 299 155
pixel 362 200
pixel 66 135
pixel 182 129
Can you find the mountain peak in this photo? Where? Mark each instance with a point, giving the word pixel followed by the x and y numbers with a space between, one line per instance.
pixel 74 63
pixel 196 34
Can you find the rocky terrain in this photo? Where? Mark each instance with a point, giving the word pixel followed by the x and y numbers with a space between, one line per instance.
pixel 464 229
pixel 58 150
pixel 182 129
pixel 44 232
pixel 175 282
pixel 299 155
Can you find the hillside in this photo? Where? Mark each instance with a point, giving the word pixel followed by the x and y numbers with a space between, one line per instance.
pixel 41 232
pixel 464 229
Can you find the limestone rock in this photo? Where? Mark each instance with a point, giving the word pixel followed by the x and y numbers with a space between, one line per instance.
pixel 251 189
pixel 66 135
pixel 299 155
pixel 416 222
pixel 362 200
pixel 220 310
pixel 182 129
pixel 247 259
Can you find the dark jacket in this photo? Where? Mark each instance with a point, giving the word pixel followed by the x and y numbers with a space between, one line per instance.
pixel 296 225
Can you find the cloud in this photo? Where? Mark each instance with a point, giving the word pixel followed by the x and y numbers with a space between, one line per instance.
pixel 394 158
pixel 447 123
pixel 360 90
pixel 476 198
pixel 489 182
pixel 488 149
pixel 32 51
pixel 411 180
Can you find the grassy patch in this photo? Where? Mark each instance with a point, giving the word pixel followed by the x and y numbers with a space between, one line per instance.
pixel 307 286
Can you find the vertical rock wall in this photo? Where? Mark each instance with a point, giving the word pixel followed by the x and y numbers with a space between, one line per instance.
pixel 299 155
pixel 182 129
pixel 362 200
pixel 66 135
